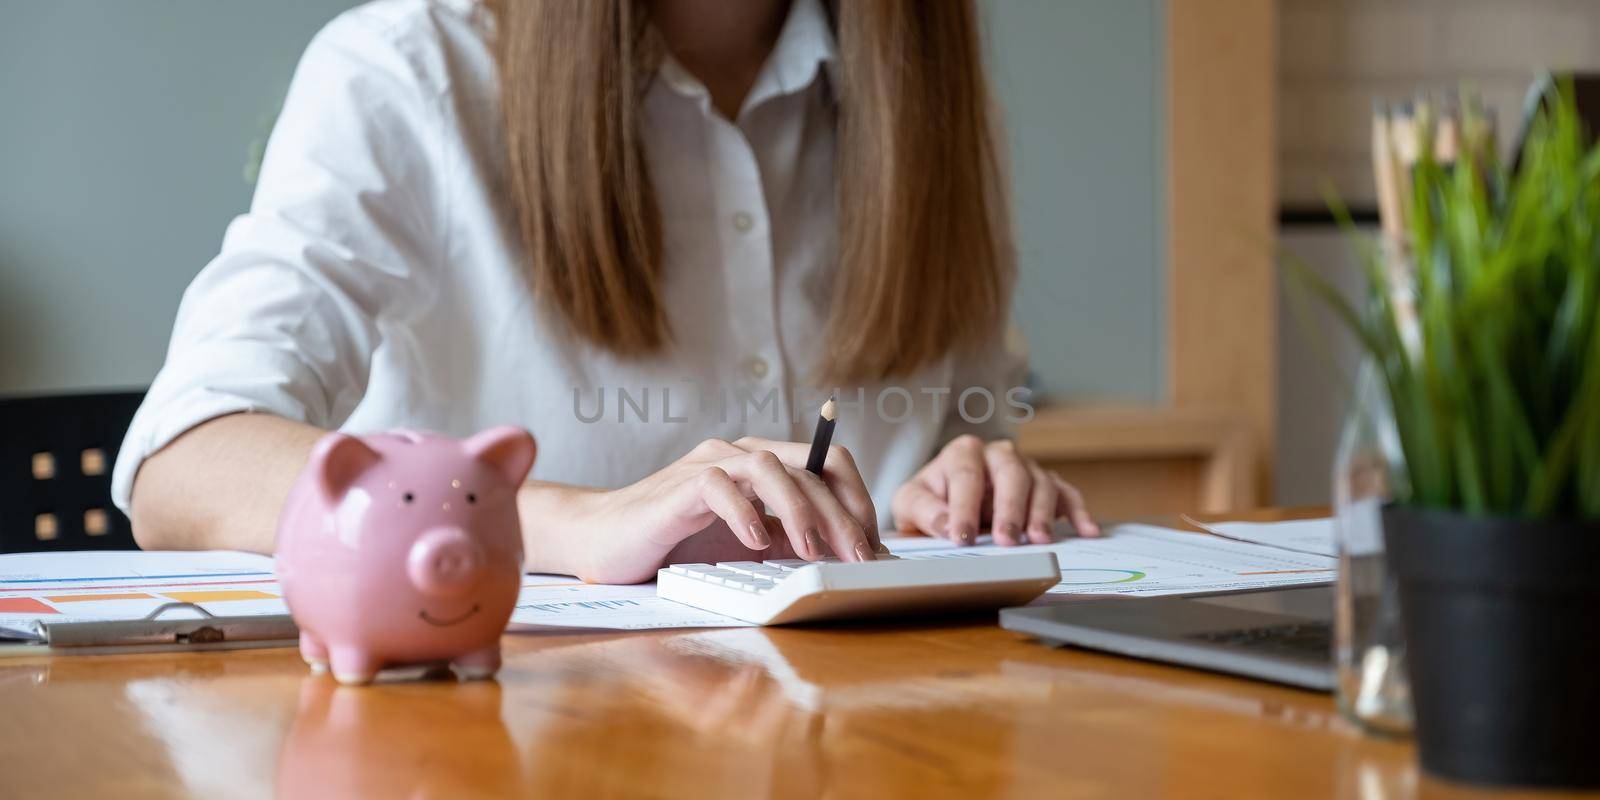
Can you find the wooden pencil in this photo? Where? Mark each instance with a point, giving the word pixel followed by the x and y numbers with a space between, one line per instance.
pixel 822 437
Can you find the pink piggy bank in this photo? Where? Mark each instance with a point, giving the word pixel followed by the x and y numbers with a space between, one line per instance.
pixel 404 548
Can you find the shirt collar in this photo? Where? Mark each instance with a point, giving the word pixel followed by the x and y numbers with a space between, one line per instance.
pixel 804 48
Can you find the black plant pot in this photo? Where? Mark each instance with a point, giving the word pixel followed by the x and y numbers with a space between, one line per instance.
pixel 1502 629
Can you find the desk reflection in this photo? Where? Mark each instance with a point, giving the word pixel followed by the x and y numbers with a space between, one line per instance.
pixel 423 740
pixel 726 727
pixel 844 711
pixel 765 713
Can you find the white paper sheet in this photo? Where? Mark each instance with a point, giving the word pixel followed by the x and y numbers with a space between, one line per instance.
pixel 1148 561
pixel 115 585
pixel 1136 560
pixel 1315 536
pixel 550 602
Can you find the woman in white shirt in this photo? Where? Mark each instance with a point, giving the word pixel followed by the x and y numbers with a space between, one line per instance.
pixel 650 231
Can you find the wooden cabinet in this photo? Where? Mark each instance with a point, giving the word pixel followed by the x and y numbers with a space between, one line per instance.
pixel 1137 461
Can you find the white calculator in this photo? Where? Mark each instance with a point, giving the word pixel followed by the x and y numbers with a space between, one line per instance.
pixel 791 590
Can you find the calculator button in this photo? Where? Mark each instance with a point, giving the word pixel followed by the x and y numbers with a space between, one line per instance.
pixel 749 568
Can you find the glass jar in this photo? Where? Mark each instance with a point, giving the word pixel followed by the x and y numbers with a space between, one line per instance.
pixel 1369 650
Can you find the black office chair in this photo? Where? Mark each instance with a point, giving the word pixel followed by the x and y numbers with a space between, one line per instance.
pixel 55 472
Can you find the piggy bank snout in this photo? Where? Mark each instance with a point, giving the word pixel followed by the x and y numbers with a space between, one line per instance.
pixel 445 562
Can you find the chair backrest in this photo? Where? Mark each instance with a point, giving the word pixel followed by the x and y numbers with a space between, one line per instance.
pixel 56 454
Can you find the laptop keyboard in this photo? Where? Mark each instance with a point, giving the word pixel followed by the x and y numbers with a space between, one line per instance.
pixel 1299 640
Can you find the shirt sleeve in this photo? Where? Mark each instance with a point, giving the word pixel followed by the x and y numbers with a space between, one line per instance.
pixel 286 318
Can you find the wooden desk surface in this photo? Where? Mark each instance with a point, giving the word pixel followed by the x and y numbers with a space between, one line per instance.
pixel 958 708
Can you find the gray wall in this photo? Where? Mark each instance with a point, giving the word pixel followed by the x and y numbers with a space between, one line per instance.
pixel 125 126
pixel 1317 365
pixel 124 131
pixel 1081 83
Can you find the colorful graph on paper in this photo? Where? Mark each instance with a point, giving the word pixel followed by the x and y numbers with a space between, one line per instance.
pixel 63 587
pixel 1148 561
pixel 1138 560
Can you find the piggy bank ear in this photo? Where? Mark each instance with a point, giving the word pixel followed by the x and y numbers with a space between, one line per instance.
pixel 337 460
pixel 509 451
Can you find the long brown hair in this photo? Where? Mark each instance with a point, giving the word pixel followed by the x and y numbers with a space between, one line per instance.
pixel 924 259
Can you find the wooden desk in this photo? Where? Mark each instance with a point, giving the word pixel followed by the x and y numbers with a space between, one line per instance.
pixel 935 709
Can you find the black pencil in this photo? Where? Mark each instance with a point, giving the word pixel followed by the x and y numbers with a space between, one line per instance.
pixel 821 438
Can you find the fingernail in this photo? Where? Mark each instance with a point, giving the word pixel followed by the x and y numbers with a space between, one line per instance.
pixel 883 549
pixel 814 543
pixel 965 535
pixel 864 553
pixel 1010 530
pixel 758 534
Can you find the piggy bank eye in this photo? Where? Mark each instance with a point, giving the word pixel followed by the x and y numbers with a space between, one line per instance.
pixel 472 498
pixel 408 497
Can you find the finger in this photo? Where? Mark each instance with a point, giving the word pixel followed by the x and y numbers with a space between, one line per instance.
pixel 727 501
pixel 964 473
pixel 1042 505
pixel 1011 483
pixel 770 480
pixel 839 472
pixel 781 546
pixel 1072 506
pixel 917 507
pixel 713 450
pixel 844 480
pixel 840 530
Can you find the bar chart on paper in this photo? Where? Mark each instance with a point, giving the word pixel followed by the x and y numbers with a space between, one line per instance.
pixel 83 586
pixel 548 602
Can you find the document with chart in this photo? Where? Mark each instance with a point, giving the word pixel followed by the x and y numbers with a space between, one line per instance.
pixel 123 585
pixel 1148 561
pixel 551 602
pixel 1135 560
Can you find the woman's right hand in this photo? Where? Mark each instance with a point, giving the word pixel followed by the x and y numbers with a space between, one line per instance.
pixel 707 507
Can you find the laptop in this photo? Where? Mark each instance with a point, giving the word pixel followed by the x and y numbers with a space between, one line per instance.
pixel 1281 635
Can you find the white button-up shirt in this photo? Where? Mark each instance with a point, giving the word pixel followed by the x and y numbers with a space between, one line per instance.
pixel 377 280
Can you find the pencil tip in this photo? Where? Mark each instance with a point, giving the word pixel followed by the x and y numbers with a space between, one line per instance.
pixel 830 411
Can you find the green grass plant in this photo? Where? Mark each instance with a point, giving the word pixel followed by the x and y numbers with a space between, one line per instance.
pixel 1495 386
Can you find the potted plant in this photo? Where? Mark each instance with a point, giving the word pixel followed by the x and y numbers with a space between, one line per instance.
pixel 1483 317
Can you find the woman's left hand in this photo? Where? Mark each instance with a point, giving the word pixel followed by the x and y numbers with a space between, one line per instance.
pixel 972 482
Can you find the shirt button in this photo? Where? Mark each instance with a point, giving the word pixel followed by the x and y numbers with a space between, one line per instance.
pixel 743 222
pixel 757 368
